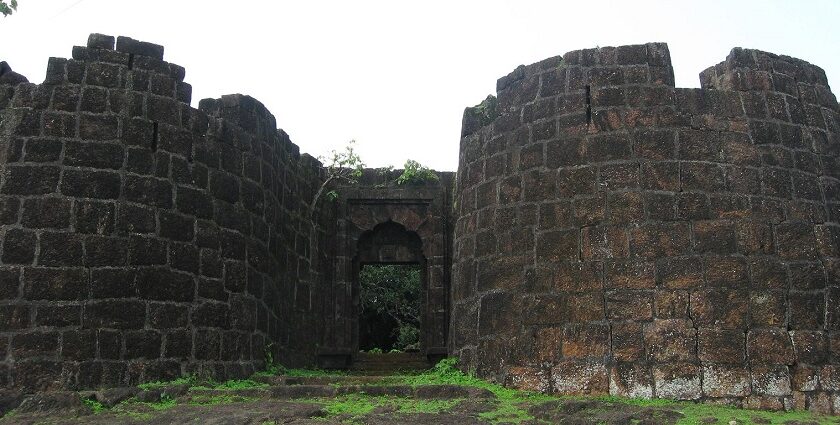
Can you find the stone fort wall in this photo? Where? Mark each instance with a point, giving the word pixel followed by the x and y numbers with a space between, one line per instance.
pixel 612 233
pixel 142 238
pixel 618 235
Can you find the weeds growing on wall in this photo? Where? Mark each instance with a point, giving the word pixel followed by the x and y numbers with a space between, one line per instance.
pixel 415 173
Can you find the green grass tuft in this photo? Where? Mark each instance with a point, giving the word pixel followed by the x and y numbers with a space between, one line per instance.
pixel 509 402
pixel 184 380
pixel 214 400
pixel 95 405
pixel 166 402
pixel 233 384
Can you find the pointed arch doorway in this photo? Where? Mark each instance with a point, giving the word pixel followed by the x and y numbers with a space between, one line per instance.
pixel 405 227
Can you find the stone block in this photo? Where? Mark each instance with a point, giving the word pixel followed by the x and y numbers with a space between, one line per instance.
pixel 105 251
pixel 804 378
pixel 91 184
pixel 165 285
pixel 660 176
pixel 140 48
pixel 670 341
pixel 176 227
pixel 721 308
pixel 671 304
pixel 796 241
pixel 142 344
pixel 573 377
pixel 548 344
pixel 810 347
pixel 135 219
pixel 715 236
pixel 30 179
pixel 630 305
pixel 35 344
pixel 527 379
pixel 168 316
pixel 727 272
pixel 602 242
pixel 112 283
pixel 143 251
pixel 558 245
pixel 660 240
pixel 585 341
pixel 149 191
pixel 9 283
pixel 769 346
pixel 19 246
pixel 60 249
pixel 115 314
pixel 625 207
pixel 680 381
pixel 94 217
pixel 771 380
pixel 631 380
pixel 629 274
pixel 768 308
pixel 806 310
pixel 95 155
pixel 726 381
pixel 41 283
pixel 584 307
pixel 78 345
pixel 721 346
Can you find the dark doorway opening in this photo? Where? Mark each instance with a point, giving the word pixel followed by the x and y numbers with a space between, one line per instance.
pixel 390 304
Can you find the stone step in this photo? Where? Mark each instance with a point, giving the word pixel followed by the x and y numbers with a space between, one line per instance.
pixel 328 380
pixel 389 362
pixel 327 391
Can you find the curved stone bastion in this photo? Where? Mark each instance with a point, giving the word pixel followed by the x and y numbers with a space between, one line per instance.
pixel 618 235
pixel 143 239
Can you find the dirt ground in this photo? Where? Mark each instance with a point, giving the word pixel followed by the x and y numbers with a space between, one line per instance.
pixel 264 412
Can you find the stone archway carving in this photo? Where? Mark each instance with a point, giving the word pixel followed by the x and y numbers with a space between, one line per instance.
pixel 422 211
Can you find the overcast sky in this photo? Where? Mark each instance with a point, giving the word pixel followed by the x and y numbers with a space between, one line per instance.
pixel 396 75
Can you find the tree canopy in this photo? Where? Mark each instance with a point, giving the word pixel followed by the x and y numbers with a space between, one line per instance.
pixel 389 297
pixel 7 7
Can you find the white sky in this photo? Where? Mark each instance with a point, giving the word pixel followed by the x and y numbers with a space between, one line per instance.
pixel 395 75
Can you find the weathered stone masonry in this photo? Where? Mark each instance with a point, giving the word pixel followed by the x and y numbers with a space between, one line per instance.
pixel 142 238
pixel 606 232
pixel 618 235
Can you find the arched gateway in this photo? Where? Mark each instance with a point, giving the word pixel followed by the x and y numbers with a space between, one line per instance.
pixel 380 222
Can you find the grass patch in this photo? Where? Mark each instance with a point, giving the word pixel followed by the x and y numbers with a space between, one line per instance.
pixel 214 400
pixel 427 406
pixel 511 405
pixel 308 373
pixel 231 385
pixel 184 380
pixel 352 408
pixel 166 402
pixel 695 413
pixel 94 405
pixel 351 405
